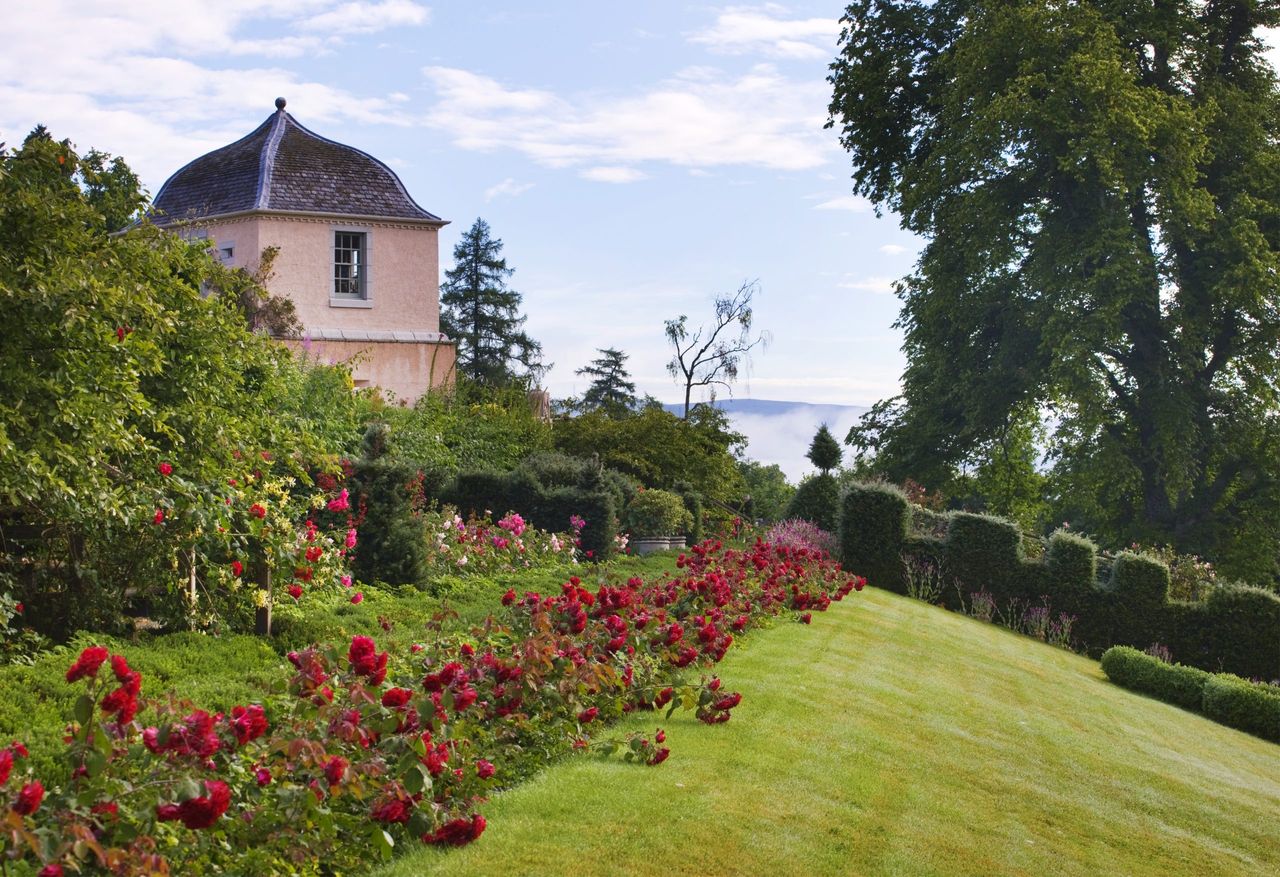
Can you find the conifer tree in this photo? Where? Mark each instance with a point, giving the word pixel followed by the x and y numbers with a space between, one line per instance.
pixel 610 390
pixel 824 450
pixel 481 313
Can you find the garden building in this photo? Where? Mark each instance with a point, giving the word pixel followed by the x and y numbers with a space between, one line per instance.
pixel 359 258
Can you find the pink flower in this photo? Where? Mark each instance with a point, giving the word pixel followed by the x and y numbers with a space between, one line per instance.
pixel 53 869
pixel 262 776
pixel 484 769
pixel 351 538
pixel 341 504
pixel 165 469
pixel 346 581
pixel 357 598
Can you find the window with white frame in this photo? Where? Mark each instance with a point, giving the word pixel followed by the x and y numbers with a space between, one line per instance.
pixel 350 265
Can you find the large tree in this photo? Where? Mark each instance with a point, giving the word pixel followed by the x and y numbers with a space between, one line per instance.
pixel 481 313
pixel 1099 187
pixel 611 389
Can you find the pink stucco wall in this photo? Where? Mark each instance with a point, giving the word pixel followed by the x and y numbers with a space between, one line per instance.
pixel 407 370
pixel 403 265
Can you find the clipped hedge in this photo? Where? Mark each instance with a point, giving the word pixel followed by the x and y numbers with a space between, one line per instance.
pixel 874 521
pixel 544 507
pixel 817 500
pixel 1172 683
pixel 1226 698
pixel 1243 704
pixel 1237 629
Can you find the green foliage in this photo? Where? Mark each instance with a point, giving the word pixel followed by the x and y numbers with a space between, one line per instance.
pixel 659 449
pixel 1245 705
pixel 611 391
pixel 1139 579
pixel 817 500
pixel 824 450
pixel 479 311
pixel 549 508
pixel 392 546
pixel 1099 189
pixel 874 522
pixel 694 506
pixel 656 513
pixel 768 489
pixel 1172 683
pixel 115 362
pixel 476 427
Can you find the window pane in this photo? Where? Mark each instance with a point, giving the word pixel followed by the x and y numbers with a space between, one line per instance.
pixel 348 262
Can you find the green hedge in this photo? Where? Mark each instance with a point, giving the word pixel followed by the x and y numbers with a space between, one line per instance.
pixel 1223 697
pixel 1237 629
pixel 1244 705
pixel 1172 683
pixel 874 521
pixel 817 500
pixel 544 507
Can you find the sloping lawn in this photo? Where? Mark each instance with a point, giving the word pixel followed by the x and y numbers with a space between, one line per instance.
pixel 890 737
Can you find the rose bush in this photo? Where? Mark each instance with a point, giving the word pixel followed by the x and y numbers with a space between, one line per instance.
pixel 372 748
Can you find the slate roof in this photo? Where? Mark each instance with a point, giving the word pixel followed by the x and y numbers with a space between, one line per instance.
pixel 284 167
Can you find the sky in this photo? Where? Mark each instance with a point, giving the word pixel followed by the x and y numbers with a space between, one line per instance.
pixel 636 160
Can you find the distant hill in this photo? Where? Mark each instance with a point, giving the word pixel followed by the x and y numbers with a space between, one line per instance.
pixel 780 432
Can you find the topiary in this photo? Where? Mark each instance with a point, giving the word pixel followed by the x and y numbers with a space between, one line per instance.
pixel 817 500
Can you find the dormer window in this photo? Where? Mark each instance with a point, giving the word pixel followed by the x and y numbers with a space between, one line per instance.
pixel 351 266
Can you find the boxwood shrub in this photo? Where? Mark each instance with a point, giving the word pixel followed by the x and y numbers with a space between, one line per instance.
pixel 1172 683
pixel 1242 704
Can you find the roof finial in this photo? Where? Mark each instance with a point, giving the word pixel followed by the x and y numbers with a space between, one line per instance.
pixel 280 102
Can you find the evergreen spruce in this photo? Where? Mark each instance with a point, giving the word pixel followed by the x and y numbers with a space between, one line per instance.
pixel 481 313
pixel 610 390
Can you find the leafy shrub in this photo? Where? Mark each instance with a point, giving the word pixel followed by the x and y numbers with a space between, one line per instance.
pixel 1245 705
pixel 796 533
pixel 656 513
pixel 984 550
pixel 1172 683
pixel 1072 560
pixel 693 504
pixel 481 545
pixel 817 499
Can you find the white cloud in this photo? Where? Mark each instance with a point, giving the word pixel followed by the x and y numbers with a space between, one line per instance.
pixel 701 117
pixel 854 203
pixel 612 174
pixel 893 249
pixel 765 30
pixel 874 285
pixel 508 187
pixel 365 18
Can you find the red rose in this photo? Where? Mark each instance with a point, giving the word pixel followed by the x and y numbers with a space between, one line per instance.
pixel 258 510
pixel 295 591
pixel 88 663
pixel 660 737
pixel 588 715
pixel 659 756
pixel 394 698
pixel 159 517
pixel 335 769
pixel 29 798
pixel 314 553
pixel 165 469
pixel 202 812
pixel 357 598
pixel 6 765
pixel 248 723
pixel 484 769
pixel 53 869
pixel 394 810
pixel 457 832
pixel 237 568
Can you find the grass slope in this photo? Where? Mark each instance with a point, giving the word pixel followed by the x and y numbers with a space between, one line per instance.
pixel 891 737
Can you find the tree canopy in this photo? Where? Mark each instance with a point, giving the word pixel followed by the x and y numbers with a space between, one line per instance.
pixel 1098 184
pixel 481 313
